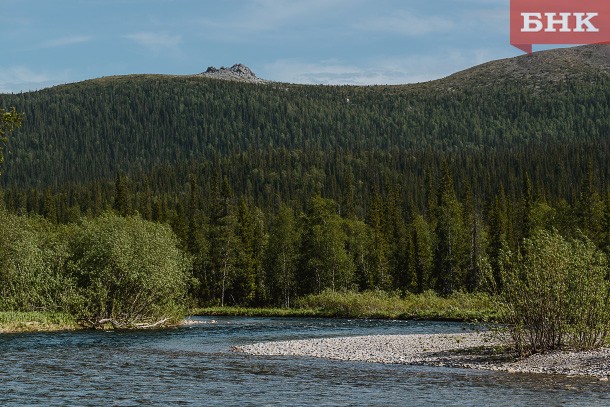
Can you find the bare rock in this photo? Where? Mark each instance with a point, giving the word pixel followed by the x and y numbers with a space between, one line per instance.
pixel 238 72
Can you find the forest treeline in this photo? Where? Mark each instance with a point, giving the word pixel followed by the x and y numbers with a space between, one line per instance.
pixel 279 191
pixel 298 139
pixel 242 254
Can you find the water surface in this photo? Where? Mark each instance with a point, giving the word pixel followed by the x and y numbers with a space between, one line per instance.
pixel 194 366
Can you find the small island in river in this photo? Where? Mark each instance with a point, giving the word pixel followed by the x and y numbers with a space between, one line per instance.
pixel 479 350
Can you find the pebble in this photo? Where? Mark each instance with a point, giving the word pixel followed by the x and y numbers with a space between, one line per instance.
pixel 467 350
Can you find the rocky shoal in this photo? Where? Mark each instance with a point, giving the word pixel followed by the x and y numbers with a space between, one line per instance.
pixel 464 350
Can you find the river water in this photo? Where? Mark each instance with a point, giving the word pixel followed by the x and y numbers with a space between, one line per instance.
pixel 195 366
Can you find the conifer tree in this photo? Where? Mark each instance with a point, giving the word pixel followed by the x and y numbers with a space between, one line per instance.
pixel 397 236
pixel 325 263
pixel 497 240
pixel 449 236
pixel 49 206
pixel 360 247
pixel 527 202
pixel 9 121
pixel 248 283
pixel 348 207
pixel 380 261
pixel 476 241
pixel 224 243
pixel 589 208
pixel 422 257
pixel 121 204
pixel 281 256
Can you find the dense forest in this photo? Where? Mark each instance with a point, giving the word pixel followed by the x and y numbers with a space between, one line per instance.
pixel 276 190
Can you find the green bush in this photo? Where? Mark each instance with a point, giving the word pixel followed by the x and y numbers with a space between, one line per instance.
pixel 32 275
pixel 131 272
pixel 380 304
pixel 556 294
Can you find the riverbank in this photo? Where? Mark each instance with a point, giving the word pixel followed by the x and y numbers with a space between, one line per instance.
pixel 468 350
pixel 467 307
pixel 14 322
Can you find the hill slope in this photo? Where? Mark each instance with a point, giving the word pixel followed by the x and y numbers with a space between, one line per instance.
pixel 578 63
pixel 276 134
pixel 279 190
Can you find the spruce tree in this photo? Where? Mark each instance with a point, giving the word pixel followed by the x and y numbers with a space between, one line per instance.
pixel 450 237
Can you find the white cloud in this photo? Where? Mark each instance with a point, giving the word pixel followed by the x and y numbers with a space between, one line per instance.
pixel 323 72
pixel 407 24
pixel 65 41
pixel 260 17
pixel 22 78
pixel 156 42
pixel 381 71
pixel 271 14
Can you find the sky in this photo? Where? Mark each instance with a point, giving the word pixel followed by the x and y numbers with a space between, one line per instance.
pixel 361 42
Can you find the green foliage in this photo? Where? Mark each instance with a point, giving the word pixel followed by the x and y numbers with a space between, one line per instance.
pixel 250 282
pixel 10 120
pixel 32 257
pixel 281 258
pixel 360 248
pixel 380 304
pixel 236 311
pixel 297 140
pixel 422 253
pixel 325 263
pixel 451 238
pixel 227 253
pixel 130 271
pixel 556 293
pixel 123 271
pixel 278 191
pixel 379 276
pixel 121 197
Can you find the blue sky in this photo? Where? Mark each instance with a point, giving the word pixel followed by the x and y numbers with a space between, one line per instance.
pixel 48 42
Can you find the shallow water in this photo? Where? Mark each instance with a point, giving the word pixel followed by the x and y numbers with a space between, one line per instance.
pixel 194 366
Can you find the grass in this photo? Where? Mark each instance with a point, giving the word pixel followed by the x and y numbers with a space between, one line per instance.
pixel 258 312
pixel 371 304
pixel 36 322
pixel 376 304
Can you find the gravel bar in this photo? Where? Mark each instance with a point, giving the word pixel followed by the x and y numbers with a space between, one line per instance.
pixel 466 350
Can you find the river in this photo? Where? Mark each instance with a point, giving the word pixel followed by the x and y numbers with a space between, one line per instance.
pixel 194 366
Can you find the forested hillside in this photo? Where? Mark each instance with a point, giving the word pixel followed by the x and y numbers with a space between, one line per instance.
pixel 279 190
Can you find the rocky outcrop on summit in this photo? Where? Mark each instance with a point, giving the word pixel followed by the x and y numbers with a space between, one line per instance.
pixel 238 72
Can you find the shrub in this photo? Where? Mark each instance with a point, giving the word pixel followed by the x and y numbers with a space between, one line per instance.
pixel 556 294
pixel 380 304
pixel 131 272
pixel 32 275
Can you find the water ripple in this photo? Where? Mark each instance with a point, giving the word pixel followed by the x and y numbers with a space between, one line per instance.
pixel 193 366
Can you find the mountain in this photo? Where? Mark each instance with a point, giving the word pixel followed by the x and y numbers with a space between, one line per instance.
pixel 237 72
pixel 543 114
pixel 279 190
pixel 551 66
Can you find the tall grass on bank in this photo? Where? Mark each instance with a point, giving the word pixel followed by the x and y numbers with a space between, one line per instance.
pixel 379 304
pixel 11 321
pixel 376 304
pixel 231 311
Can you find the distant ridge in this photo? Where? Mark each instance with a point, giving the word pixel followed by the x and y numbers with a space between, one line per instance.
pixel 549 66
pixel 238 72
pixel 89 130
